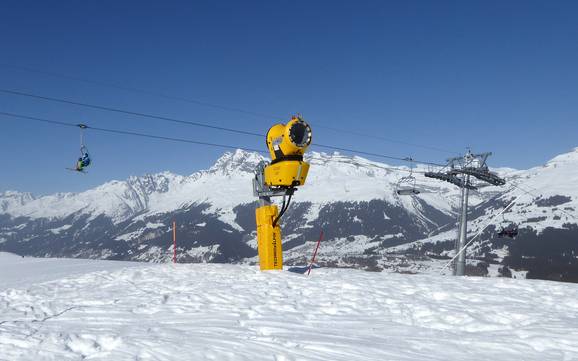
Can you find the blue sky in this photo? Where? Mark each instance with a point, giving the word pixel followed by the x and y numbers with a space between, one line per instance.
pixel 497 76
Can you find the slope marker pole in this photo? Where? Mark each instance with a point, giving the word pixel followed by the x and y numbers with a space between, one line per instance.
pixel 315 253
pixel 174 242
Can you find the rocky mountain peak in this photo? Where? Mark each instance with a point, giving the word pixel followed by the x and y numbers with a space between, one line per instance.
pixel 236 162
pixel 14 198
pixel 154 183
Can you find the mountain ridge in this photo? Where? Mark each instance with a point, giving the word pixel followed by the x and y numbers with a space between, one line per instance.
pixel 352 199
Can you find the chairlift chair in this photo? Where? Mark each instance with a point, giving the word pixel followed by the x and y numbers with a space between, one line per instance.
pixel 84 155
pixel 510 231
pixel 406 186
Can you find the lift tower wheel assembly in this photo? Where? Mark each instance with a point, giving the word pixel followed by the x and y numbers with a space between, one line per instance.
pixel 279 178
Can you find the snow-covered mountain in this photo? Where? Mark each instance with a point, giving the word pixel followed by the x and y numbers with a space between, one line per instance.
pixel 12 200
pixel 226 184
pixel 215 212
pixel 352 199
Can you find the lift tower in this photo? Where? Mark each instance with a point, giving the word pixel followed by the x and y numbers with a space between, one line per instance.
pixel 459 171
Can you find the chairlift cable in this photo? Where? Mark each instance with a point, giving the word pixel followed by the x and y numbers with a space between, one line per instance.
pixel 536 196
pixel 209 104
pixel 131 133
pixel 55 122
pixel 360 134
pixel 197 124
pixel 143 91
pixel 129 112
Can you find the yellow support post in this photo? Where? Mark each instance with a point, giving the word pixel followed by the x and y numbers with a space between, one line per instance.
pixel 269 239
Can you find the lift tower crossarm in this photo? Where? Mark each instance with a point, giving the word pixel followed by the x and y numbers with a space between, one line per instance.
pixel 450 178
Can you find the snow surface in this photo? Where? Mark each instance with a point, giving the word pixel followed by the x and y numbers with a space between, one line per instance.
pixel 231 312
pixel 16 271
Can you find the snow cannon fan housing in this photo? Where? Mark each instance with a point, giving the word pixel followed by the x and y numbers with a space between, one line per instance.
pixel 287 144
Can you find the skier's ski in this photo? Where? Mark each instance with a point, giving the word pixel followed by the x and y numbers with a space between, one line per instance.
pixel 77 171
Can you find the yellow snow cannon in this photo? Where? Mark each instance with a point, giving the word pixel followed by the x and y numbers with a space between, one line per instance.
pixel 279 178
pixel 287 144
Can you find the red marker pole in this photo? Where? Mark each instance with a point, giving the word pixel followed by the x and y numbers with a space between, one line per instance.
pixel 174 242
pixel 315 253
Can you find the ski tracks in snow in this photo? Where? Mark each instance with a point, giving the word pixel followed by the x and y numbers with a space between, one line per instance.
pixel 229 312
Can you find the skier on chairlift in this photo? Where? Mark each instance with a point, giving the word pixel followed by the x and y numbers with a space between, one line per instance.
pixel 84 159
pixel 510 231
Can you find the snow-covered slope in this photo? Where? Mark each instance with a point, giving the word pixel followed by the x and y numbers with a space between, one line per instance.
pixel 548 196
pixel 17 271
pixel 545 197
pixel 229 312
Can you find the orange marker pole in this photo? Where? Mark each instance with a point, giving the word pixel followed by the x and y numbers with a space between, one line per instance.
pixel 315 254
pixel 174 242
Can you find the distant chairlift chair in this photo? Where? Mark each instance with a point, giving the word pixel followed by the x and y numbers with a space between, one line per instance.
pixel 510 231
pixel 406 186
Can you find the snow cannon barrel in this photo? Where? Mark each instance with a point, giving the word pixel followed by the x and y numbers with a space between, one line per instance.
pixel 287 144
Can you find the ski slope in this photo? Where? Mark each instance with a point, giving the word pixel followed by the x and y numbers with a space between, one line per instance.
pixel 16 271
pixel 232 312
